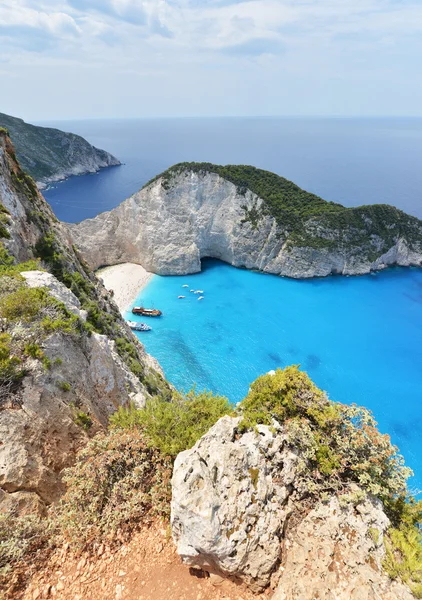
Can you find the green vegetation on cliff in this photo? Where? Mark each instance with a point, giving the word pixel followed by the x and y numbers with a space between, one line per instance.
pixel 306 220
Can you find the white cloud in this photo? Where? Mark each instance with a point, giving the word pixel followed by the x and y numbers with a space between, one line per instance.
pixel 14 14
pixel 274 50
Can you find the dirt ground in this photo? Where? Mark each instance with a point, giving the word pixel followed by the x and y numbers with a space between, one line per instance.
pixel 147 568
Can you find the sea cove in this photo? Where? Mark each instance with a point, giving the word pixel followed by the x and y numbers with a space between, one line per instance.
pixel 357 337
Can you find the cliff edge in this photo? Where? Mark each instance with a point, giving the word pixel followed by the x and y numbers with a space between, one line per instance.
pixel 67 358
pixel 50 155
pixel 248 218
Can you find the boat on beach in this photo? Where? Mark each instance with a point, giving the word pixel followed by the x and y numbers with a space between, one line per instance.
pixel 146 312
pixel 138 326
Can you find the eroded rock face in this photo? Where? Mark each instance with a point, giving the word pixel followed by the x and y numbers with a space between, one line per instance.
pixel 41 431
pixel 229 502
pixel 58 290
pixel 336 554
pixel 46 420
pixel 169 228
pixel 238 510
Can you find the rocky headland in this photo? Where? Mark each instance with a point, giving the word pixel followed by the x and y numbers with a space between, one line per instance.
pixel 51 155
pixel 248 218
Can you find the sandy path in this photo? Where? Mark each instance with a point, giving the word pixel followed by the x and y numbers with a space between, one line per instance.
pixel 126 280
pixel 146 568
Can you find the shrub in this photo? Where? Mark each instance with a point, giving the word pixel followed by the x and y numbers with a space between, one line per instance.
pixel 81 418
pixel 115 484
pixel 404 556
pixel 124 346
pixel 34 351
pixel 23 304
pixel 176 425
pixel 21 538
pixel 65 386
pixel 340 442
pixel 11 372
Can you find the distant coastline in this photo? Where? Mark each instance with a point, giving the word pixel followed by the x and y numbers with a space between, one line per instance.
pixel 46 185
pixel 126 280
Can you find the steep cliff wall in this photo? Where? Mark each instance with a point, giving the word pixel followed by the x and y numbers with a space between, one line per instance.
pixel 67 358
pixel 192 212
pixel 50 155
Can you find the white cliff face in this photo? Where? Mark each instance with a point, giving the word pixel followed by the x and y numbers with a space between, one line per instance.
pixel 237 511
pixel 168 229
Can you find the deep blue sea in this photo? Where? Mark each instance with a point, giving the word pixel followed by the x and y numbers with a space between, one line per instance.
pixel 352 161
pixel 359 338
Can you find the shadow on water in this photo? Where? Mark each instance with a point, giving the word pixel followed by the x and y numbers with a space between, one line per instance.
pixel 415 299
pixel 313 361
pixel 275 358
pixel 407 429
pixel 193 366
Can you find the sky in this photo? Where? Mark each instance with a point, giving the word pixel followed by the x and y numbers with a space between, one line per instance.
pixel 75 59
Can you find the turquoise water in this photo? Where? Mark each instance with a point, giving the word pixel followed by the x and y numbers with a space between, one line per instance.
pixel 359 338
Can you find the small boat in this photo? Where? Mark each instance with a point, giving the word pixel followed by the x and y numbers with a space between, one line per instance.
pixel 138 326
pixel 186 285
pixel 198 292
pixel 146 312
pixel 192 290
pixel 181 297
pixel 201 297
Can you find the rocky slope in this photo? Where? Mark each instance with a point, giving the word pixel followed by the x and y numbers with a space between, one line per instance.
pixel 248 218
pixel 326 549
pixel 50 155
pixel 67 359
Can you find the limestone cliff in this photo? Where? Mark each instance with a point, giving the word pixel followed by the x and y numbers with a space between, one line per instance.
pixel 195 211
pixel 50 155
pixel 67 358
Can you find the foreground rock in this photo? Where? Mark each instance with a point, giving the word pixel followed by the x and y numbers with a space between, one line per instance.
pixel 229 503
pixel 238 511
pixel 50 155
pixel 336 553
pixel 187 214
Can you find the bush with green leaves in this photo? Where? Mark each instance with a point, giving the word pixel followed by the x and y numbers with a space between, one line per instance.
pixel 173 426
pixel 29 304
pixel 341 443
pixel 117 482
pixel 403 558
pixel 11 371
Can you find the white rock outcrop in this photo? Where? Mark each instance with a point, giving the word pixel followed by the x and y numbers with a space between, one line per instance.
pixel 169 228
pixel 229 503
pixel 57 289
pixel 237 511
pixel 336 553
